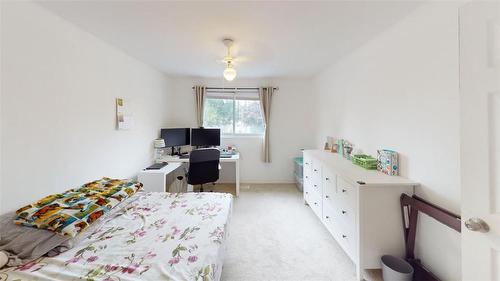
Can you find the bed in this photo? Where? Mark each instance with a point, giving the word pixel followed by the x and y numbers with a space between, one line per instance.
pixel 151 236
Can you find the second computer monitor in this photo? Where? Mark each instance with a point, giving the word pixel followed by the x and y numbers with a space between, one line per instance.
pixel 205 137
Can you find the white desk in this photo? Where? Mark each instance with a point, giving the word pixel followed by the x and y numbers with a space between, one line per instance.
pixel 156 180
pixel 233 159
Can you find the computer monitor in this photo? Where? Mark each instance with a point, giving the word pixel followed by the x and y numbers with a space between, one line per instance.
pixel 205 137
pixel 176 136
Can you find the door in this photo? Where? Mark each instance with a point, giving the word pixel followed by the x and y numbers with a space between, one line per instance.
pixel 480 139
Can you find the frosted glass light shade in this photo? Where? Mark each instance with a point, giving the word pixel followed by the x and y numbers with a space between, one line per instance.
pixel 159 143
pixel 229 73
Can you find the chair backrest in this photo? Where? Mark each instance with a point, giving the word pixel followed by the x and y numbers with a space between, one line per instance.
pixel 203 166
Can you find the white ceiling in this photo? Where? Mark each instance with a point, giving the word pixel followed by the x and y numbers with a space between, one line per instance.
pixel 276 38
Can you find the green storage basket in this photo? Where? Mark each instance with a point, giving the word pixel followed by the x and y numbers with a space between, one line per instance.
pixel 365 161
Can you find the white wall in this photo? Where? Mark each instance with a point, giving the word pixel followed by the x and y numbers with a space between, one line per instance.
pixel 1 87
pixel 58 92
pixel 290 126
pixel 400 91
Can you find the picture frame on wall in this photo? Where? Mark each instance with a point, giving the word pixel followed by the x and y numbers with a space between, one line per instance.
pixel 124 118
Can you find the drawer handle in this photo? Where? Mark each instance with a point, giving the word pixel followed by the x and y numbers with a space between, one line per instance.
pixel 343 190
pixel 327 217
pixel 344 212
pixel 327 196
pixel 327 179
pixel 315 185
pixel 315 170
pixel 307 177
pixel 344 236
pixel 307 192
pixel 315 203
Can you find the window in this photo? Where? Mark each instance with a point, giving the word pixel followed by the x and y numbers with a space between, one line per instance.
pixel 236 113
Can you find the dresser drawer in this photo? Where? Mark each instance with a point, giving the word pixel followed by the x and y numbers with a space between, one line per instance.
pixel 309 194
pixel 316 187
pixel 307 181
pixel 347 217
pixel 346 204
pixel 317 184
pixel 330 218
pixel 347 239
pixel 316 166
pixel 315 203
pixel 329 184
pixel 346 193
pixel 331 200
pixel 307 166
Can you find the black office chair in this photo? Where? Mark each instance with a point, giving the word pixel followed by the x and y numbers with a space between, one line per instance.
pixel 203 166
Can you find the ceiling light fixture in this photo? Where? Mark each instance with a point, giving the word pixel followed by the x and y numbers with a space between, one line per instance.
pixel 229 73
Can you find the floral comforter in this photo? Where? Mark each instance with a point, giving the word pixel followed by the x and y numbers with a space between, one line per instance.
pixel 155 236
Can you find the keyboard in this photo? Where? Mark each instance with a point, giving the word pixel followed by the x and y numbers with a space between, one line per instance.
pixel 186 156
pixel 157 166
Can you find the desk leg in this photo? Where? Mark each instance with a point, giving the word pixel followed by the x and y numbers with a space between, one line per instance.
pixel 237 168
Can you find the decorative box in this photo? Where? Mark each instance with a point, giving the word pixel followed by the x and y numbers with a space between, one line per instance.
pixel 365 161
pixel 388 162
pixel 347 150
pixel 340 146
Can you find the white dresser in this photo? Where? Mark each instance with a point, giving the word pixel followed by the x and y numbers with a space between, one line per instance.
pixel 359 207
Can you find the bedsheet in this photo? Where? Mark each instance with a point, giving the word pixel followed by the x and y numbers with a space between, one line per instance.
pixel 159 236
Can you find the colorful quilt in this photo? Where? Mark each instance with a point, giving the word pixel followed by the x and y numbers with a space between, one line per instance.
pixel 153 236
pixel 71 212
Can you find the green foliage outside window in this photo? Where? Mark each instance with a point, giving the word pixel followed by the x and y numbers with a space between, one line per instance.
pixel 234 116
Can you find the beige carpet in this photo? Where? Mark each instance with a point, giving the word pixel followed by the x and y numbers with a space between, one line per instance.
pixel 274 236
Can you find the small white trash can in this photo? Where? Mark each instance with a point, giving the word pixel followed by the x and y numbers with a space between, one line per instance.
pixel 396 269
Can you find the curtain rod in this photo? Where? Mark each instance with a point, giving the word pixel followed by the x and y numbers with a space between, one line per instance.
pixel 238 88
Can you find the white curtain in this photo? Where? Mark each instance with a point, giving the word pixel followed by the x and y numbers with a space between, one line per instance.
pixel 265 97
pixel 200 92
